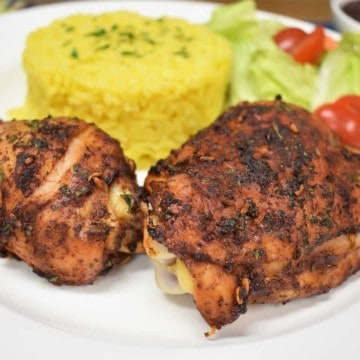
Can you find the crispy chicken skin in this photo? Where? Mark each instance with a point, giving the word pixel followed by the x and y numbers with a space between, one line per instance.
pixel 69 201
pixel 262 206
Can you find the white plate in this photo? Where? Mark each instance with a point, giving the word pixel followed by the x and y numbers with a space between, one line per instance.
pixel 124 313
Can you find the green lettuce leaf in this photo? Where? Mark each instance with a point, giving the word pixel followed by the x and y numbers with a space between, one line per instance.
pixel 228 19
pixel 339 72
pixel 275 73
pixel 260 70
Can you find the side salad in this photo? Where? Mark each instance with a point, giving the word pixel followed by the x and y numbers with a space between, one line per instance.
pixel 309 69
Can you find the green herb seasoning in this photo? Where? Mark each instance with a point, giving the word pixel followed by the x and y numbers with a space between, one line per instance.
pixel 74 54
pixel 82 191
pixel 12 138
pixel 326 218
pixel 64 190
pixel 66 43
pixel 129 199
pixel 28 230
pixel 116 35
pixel 130 53
pixel 2 175
pixel 68 28
pixel 33 124
pixel 97 33
pixel 148 38
pixel 355 178
pixel 53 279
pixel 80 172
pixel 126 35
pixel 76 169
pixel 258 253
pixel 54 207
pixel 183 52
pixel 103 47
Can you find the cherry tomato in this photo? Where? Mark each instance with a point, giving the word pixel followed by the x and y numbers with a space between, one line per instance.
pixel 343 119
pixel 310 48
pixel 330 43
pixel 288 37
pixel 351 102
pixel 305 47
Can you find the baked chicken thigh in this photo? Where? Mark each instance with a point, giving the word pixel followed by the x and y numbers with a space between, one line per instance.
pixel 69 201
pixel 260 207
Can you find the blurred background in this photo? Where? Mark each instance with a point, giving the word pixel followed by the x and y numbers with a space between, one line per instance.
pixel 317 11
pixel 310 10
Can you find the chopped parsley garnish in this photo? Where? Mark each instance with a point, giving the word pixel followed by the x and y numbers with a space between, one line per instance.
pixel 103 47
pixel 127 34
pixel 64 190
pixel 74 54
pixel 129 199
pixel 148 39
pixel 97 33
pixel 82 191
pixel 183 52
pixel 130 53
pixel 68 28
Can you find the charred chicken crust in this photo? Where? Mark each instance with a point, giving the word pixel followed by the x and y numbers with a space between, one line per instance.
pixel 262 206
pixel 69 201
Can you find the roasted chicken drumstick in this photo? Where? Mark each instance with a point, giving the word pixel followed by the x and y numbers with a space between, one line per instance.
pixel 260 207
pixel 69 201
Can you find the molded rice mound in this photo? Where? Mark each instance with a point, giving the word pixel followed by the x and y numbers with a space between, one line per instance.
pixel 150 83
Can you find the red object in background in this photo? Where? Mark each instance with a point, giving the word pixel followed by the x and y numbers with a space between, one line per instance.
pixel 310 48
pixel 288 37
pixel 352 102
pixel 304 47
pixel 343 117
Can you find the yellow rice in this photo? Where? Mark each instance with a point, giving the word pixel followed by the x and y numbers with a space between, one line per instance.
pixel 150 83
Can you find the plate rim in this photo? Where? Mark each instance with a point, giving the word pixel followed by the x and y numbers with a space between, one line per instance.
pixel 271 344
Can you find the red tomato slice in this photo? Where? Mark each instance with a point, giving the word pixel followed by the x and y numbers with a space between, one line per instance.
pixel 311 47
pixel 330 43
pixel 351 102
pixel 343 121
pixel 288 37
